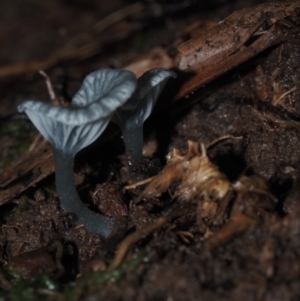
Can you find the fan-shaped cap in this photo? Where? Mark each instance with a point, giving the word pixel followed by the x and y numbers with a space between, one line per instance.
pixel 73 128
pixel 139 107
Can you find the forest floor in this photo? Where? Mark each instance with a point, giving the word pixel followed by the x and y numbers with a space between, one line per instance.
pixel 234 235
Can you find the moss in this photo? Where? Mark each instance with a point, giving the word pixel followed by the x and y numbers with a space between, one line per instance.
pixel 34 289
pixel 42 286
pixel 95 281
pixel 18 135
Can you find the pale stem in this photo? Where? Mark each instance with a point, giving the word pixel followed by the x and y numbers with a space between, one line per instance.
pixel 70 200
pixel 133 140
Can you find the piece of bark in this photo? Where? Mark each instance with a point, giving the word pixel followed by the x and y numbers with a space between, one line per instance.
pixel 27 176
pixel 33 262
pixel 236 39
pixel 108 199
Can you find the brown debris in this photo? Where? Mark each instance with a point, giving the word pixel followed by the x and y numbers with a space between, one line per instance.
pixel 133 238
pixel 95 265
pixel 239 206
pixel 261 82
pixel 262 85
pixel 268 257
pixel 202 179
pixel 6 175
pixel 199 177
pixel 30 263
pixel 276 79
pixel 199 181
pixel 253 205
pixel 145 231
pixel 31 171
pixel 108 199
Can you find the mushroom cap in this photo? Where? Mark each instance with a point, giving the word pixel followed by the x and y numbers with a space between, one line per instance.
pixel 73 128
pixel 139 107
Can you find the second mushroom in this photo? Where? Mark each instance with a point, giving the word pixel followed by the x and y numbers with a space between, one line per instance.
pixel 132 114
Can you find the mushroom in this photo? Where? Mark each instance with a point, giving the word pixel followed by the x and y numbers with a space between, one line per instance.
pixel 71 129
pixel 132 115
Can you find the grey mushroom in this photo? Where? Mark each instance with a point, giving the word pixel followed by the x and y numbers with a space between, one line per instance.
pixel 71 129
pixel 132 114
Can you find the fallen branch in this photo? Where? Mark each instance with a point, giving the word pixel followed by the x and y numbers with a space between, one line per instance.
pixel 233 41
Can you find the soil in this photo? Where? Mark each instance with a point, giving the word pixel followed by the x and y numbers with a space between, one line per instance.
pixel 240 245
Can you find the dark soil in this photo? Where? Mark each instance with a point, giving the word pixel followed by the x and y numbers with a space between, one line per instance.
pixel 246 247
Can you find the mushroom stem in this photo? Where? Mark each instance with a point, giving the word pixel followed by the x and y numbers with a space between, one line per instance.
pixel 133 140
pixel 70 200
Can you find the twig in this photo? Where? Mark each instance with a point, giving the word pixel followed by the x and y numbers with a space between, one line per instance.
pixel 217 140
pixel 137 184
pixel 50 88
pixel 275 103
pixel 263 116
pixel 236 225
pixel 133 238
pixel 147 230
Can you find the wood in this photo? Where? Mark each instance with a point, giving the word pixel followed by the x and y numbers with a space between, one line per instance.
pixel 236 39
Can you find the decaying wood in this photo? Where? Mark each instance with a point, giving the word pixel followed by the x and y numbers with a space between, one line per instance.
pixel 235 40
pixel 227 37
pixel 29 173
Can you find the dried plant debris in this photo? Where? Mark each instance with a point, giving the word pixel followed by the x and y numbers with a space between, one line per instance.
pixel 253 205
pixel 238 205
pixel 24 175
pixel 108 198
pixel 276 80
pixel 46 260
pixel 199 177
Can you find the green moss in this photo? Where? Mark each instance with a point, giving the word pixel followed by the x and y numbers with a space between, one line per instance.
pixel 90 281
pixel 41 286
pixel 18 136
pixel 94 281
